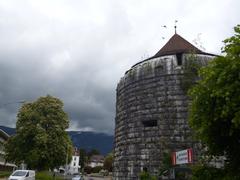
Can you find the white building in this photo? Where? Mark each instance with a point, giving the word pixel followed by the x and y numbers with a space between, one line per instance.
pixel 74 167
pixel 96 160
pixel 3 164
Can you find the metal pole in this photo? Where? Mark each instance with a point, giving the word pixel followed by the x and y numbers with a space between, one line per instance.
pixel 66 163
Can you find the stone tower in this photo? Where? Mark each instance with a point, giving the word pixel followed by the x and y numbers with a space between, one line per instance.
pixel 152 110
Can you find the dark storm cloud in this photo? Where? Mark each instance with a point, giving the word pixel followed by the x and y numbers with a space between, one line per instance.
pixel 78 50
pixel 42 55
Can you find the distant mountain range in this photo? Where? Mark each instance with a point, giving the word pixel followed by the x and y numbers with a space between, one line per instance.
pixel 86 140
pixel 92 140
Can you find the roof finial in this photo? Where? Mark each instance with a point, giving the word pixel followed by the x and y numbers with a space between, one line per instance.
pixel 175 26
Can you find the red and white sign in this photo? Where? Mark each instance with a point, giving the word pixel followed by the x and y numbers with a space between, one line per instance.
pixel 182 157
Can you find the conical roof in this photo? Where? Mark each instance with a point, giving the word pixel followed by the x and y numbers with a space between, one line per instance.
pixel 175 45
pixel 178 44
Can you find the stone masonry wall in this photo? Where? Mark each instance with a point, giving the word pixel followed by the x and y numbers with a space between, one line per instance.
pixel 151 116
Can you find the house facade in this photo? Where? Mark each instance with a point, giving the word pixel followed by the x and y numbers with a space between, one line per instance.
pixel 3 164
pixel 96 160
pixel 74 166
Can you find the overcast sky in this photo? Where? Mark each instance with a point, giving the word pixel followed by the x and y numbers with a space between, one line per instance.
pixel 77 50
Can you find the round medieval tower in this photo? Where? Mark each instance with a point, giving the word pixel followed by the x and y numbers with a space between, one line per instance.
pixel 152 109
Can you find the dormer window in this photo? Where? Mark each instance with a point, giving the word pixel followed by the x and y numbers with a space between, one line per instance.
pixel 179 59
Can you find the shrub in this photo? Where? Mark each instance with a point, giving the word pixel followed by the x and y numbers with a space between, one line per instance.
pixel 45 175
pixel 97 169
pixel 88 169
pixel 146 176
pixel 5 174
pixel 204 172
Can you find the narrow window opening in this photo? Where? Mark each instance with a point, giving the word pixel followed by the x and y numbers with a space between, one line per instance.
pixel 179 59
pixel 150 123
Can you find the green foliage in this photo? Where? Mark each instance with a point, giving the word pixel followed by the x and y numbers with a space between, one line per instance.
pixel 40 141
pixel 190 69
pixel 97 169
pixel 45 175
pixel 202 172
pixel 215 107
pixel 83 158
pixel 5 174
pixel 108 162
pixel 89 169
pixel 232 45
pixel 146 176
pixel 166 165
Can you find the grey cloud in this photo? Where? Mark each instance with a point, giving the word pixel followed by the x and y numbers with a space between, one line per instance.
pixel 78 50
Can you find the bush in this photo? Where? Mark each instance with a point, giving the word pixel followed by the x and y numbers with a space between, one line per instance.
pixel 146 176
pixel 97 169
pixel 88 169
pixel 203 172
pixel 5 174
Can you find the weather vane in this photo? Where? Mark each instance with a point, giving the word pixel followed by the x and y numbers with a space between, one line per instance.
pixel 175 26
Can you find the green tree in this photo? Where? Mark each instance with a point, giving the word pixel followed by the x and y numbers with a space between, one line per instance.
pixel 41 140
pixel 108 162
pixel 93 152
pixel 215 107
pixel 83 158
pixel 166 164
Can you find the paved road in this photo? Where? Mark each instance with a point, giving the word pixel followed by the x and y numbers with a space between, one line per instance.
pixel 90 178
pixel 85 178
pixel 96 178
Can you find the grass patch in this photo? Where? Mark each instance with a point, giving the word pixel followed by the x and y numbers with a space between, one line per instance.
pixel 5 174
pixel 45 175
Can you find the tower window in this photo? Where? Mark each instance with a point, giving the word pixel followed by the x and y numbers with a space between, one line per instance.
pixel 179 59
pixel 150 123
